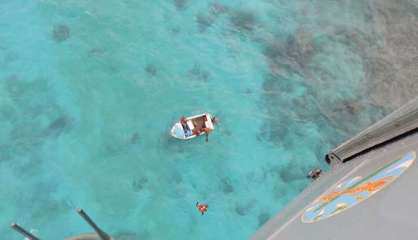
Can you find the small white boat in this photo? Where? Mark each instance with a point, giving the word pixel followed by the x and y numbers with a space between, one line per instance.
pixel 191 127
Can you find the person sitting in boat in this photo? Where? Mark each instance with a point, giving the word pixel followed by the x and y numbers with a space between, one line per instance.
pixel 196 131
pixel 203 129
pixel 202 208
pixel 183 121
pixel 186 128
pixel 187 132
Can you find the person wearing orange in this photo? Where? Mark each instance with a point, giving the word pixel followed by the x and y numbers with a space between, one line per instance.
pixel 196 131
pixel 202 208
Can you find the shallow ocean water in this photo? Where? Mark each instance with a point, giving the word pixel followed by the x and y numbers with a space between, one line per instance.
pixel 89 90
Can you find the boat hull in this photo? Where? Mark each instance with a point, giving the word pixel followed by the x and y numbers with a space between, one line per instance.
pixel 177 131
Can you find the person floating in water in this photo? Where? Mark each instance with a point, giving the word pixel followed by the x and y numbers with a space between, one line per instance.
pixel 201 207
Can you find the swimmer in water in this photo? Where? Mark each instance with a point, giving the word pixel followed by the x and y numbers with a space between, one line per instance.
pixel 202 208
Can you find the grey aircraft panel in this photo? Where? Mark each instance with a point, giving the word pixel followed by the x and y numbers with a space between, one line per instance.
pixel 391 213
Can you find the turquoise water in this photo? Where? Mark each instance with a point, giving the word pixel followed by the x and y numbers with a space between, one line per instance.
pixel 89 90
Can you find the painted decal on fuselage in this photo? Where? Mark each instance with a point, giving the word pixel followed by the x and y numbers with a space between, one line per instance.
pixel 356 189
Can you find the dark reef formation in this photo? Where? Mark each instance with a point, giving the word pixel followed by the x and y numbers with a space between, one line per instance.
pixel 176 177
pixel 226 186
pixel 96 52
pixel 139 184
pixel 243 21
pixel 59 125
pixel 151 69
pixel 199 74
pixel 30 102
pixel 34 121
pixel 243 209
pixel 393 68
pixel 384 48
pixel 180 4
pixel 135 138
pixel 60 32
pixel 205 20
